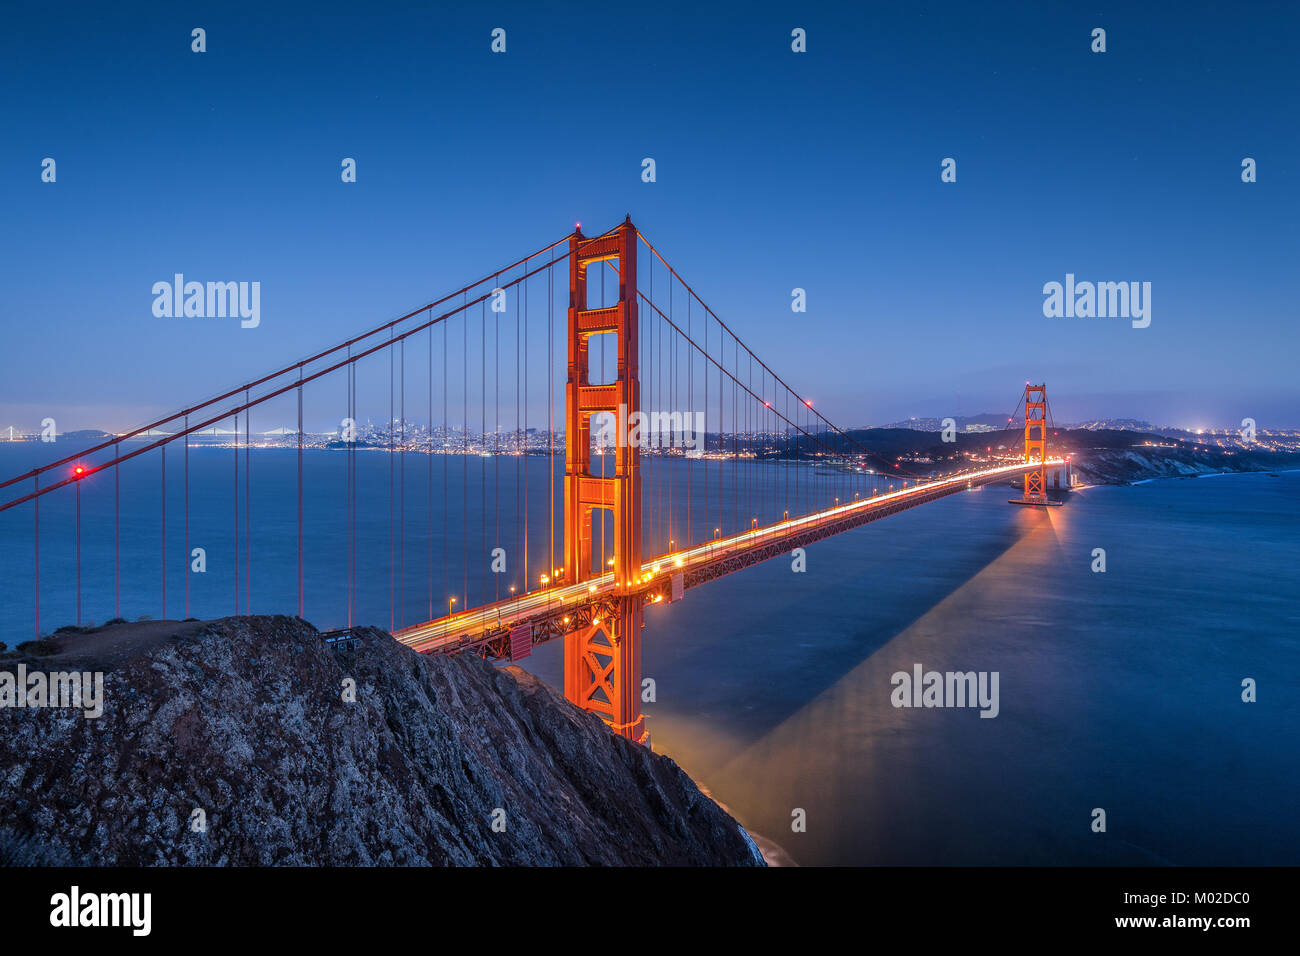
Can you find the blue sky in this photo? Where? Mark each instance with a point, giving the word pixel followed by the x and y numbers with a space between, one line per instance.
pixel 775 170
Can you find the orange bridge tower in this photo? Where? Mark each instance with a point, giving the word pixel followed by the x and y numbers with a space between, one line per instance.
pixel 1035 447
pixel 602 656
pixel 1036 442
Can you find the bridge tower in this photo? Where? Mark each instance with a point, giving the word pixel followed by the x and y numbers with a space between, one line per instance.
pixel 1036 444
pixel 602 659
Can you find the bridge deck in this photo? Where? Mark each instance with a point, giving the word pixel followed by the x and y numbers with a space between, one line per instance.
pixel 555 610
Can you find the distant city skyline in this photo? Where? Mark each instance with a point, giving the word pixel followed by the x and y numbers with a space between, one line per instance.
pixel 986 422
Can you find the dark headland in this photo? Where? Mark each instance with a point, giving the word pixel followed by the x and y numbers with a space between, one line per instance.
pixel 245 720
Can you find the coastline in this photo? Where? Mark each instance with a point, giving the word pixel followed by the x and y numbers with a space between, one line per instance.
pixel 1208 474
pixel 769 851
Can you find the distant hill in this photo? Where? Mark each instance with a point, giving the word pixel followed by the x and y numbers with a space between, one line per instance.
pixel 982 420
pixel 1103 456
pixel 85 434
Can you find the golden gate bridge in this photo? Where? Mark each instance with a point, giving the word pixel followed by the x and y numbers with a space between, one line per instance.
pixel 623 526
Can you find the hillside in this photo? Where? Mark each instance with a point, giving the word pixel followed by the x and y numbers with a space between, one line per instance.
pixel 1102 456
pixel 244 719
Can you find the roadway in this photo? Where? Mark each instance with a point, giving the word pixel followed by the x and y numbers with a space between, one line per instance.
pixel 475 627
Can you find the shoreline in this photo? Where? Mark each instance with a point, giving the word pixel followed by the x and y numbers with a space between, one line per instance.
pixel 771 852
pixel 1205 474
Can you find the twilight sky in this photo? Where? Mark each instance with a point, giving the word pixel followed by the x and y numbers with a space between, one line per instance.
pixel 775 170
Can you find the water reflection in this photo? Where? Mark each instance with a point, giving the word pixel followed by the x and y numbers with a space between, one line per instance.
pixel 774 687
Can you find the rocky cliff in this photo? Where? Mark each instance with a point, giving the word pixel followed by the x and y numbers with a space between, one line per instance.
pixel 436 761
pixel 1124 466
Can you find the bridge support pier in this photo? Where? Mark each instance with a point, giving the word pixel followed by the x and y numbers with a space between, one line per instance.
pixel 602 660
pixel 602 670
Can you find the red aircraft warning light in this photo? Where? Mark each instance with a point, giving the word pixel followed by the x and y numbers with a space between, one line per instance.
pixel 79 471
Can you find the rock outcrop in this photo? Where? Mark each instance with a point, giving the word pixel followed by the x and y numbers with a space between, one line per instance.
pixel 1125 466
pixel 438 761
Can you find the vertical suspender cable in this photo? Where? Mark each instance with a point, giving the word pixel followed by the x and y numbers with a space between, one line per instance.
pixel 235 443
pixel 524 433
pixel 348 434
pixel 550 396
pixel 300 601
pixel 429 455
pixel 464 471
pixel 671 396
pixel 36 550
pixel 519 493
pixel 187 517
pixel 482 464
pixel 446 571
pixel 401 513
pixel 496 440
pixel 79 553
pixel 645 370
pixel 392 557
pixel 117 537
pixel 604 377
pixel 162 499
pixel 248 507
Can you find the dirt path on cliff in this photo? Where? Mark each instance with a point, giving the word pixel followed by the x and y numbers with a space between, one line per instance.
pixel 108 647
